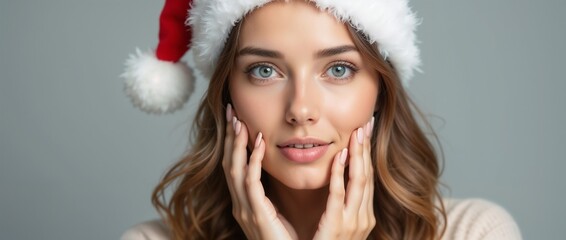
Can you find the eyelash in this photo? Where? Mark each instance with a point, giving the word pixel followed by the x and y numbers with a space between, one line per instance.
pixel 252 67
pixel 348 65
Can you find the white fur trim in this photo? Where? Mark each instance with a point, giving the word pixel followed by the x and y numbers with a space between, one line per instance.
pixel 157 86
pixel 390 23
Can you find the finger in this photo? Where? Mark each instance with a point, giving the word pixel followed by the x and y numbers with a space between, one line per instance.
pixel 239 161
pixel 333 215
pixel 368 169
pixel 366 215
pixel 239 148
pixel 371 177
pixel 262 208
pixel 335 204
pixel 357 177
pixel 254 188
pixel 227 157
pixel 228 139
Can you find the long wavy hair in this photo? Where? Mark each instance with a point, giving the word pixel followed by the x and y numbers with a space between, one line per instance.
pixel 407 201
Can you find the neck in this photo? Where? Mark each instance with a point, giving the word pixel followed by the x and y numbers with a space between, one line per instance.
pixel 302 208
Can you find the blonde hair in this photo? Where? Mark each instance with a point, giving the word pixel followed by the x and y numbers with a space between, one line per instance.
pixel 407 203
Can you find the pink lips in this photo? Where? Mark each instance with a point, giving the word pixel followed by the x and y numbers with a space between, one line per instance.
pixel 303 155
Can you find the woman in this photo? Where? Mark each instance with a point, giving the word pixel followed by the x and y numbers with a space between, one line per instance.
pixel 306 131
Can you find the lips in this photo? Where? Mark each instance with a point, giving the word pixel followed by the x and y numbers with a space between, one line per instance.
pixel 303 146
pixel 303 150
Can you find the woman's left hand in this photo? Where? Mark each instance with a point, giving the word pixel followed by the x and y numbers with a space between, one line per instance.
pixel 349 212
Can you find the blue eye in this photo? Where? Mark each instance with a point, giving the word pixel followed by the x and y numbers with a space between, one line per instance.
pixel 340 71
pixel 263 71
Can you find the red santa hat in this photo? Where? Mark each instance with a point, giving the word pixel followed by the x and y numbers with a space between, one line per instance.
pixel 158 82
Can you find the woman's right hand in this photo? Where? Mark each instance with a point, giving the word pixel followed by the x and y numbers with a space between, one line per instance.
pixel 251 208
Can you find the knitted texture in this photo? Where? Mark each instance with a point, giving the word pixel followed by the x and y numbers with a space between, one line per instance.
pixel 470 219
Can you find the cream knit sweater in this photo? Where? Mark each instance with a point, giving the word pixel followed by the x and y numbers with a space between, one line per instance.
pixel 470 219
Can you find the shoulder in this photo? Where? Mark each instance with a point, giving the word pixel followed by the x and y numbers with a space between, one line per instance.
pixel 150 230
pixel 478 219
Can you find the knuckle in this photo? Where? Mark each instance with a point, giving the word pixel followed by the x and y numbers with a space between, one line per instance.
pixel 256 220
pixel 363 226
pixel 239 215
pixel 337 192
pixel 363 180
pixel 337 171
pixel 370 171
pixel 248 181
pixel 244 217
pixel 372 223
pixel 350 229
pixel 233 173
pixel 359 179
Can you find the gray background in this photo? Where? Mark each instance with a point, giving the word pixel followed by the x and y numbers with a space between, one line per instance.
pixel 78 162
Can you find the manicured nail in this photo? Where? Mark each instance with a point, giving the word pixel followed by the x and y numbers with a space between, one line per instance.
pixel 229 112
pixel 234 120
pixel 366 129
pixel 238 127
pixel 258 139
pixel 360 135
pixel 343 156
pixel 369 127
pixel 372 123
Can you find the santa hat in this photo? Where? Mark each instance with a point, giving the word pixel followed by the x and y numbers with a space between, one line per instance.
pixel 158 82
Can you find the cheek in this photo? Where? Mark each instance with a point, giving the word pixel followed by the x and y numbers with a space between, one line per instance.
pixel 256 109
pixel 352 109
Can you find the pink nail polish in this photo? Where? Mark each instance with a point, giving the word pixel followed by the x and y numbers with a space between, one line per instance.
pixel 372 123
pixel 343 156
pixel 238 127
pixel 367 129
pixel 258 139
pixel 229 112
pixel 360 134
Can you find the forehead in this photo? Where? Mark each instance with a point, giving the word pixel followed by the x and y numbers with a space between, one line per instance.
pixel 279 24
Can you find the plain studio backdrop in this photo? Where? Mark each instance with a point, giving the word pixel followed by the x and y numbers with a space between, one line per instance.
pixel 77 161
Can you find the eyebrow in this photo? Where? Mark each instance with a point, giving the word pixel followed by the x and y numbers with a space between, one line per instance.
pixel 260 52
pixel 335 51
pixel 275 54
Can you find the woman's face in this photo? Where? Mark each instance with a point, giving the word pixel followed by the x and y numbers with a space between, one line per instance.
pixel 299 79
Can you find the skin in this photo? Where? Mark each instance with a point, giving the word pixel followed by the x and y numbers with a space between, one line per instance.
pixel 287 90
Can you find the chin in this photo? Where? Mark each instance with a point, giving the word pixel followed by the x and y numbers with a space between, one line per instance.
pixel 306 185
pixel 300 177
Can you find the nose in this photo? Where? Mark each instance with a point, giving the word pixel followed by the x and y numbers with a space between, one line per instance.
pixel 303 103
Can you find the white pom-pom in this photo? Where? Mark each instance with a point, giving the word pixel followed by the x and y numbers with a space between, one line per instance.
pixel 157 86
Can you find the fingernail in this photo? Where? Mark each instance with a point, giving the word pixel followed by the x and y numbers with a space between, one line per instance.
pixel 228 112
pixel 369 127
pixel 372 123
pixel 343 156
pixel 238 127
pixel 360 135
pixel 258 139
pixel 234 121
pixel 366 129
